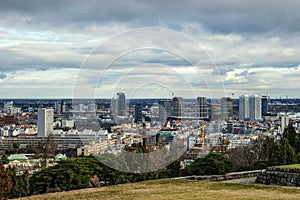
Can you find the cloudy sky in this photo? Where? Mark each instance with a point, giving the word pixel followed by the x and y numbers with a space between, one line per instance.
pixel 65 49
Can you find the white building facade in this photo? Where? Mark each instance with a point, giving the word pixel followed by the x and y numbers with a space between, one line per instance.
pixel 255 107
pixel 244 112
pixel 45 122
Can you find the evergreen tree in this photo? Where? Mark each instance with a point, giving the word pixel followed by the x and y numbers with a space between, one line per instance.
pixel 288 155
pixel 5 182
pixel 210 164
pixel 290 134
pixel 280 153
pixel 174 169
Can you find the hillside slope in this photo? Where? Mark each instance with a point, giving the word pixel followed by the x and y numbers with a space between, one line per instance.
pixel 177 189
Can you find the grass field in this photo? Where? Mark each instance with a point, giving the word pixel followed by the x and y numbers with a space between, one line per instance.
pixel 177 189
pixel 295 166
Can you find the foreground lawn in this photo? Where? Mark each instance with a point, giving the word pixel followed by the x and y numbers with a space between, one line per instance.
pixel 295 166
pixel 177 189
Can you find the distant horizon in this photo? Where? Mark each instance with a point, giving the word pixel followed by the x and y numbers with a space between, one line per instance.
pixel 132 98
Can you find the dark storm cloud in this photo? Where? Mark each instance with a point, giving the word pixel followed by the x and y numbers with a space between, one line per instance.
pixel 14 61
pixel 3 76
pixel 223 16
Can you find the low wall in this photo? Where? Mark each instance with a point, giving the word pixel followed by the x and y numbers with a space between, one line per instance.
pixel 279 176
pixel 224 177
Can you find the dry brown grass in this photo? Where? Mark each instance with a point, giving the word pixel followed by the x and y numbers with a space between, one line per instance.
pixel 177 189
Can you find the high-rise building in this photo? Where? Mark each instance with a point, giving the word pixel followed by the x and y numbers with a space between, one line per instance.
pixel 63 106
pixel 215 111
pixel 60 107
pixel 226 108
pixel 45 122
pixel 165 110
pixel 57 107
pixel 201 107
pixel 114 106
pixel 244 107
pixel 264 105
pixel 138 114
pixel 284 122
pixel 255 107
pixel 121 104
pixel 177 107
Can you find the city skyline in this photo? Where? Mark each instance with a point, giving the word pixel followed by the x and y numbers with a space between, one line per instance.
pixel 243 48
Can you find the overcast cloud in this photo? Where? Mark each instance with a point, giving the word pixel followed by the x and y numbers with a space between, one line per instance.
pixel 252 45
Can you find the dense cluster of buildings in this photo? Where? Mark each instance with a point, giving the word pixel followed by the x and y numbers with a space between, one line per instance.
pixel 91 127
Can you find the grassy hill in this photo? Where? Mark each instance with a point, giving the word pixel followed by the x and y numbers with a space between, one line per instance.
pixel 294 166
pixel 177 189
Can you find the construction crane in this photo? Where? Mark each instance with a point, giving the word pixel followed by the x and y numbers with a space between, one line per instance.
pixel 202 131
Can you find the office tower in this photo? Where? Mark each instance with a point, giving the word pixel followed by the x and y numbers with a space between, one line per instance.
pixel 45 122
pixel 201 107
pixel 215 111
pixel 165 110
pixel 57 107
pixel 138 114
pixel 60 107
pixel 121 104
pixel 178 107
pixel 244 112
pixel 264 105
pixel 114 106
pixel 63 107
pixel 226 108
pixel 255 107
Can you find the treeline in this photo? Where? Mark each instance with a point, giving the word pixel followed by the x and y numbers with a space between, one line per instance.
pixel 76 173
pixel 267 152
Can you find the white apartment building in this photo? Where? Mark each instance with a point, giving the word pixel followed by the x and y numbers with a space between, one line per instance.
pixel 255 107
pixel 45 122
pixel 244 108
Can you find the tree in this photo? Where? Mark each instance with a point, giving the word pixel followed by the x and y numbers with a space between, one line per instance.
pixel 290 134
pixel 20 184
pixel 75 173
pixel 47 149
pixel 243 157
pixel 211 164
pixel 67 175
pixel 5 182
pixel 292 137
pixel 4 159
pixel 174 169
pixel 287 153
pixel 280 153
pixel 264 152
